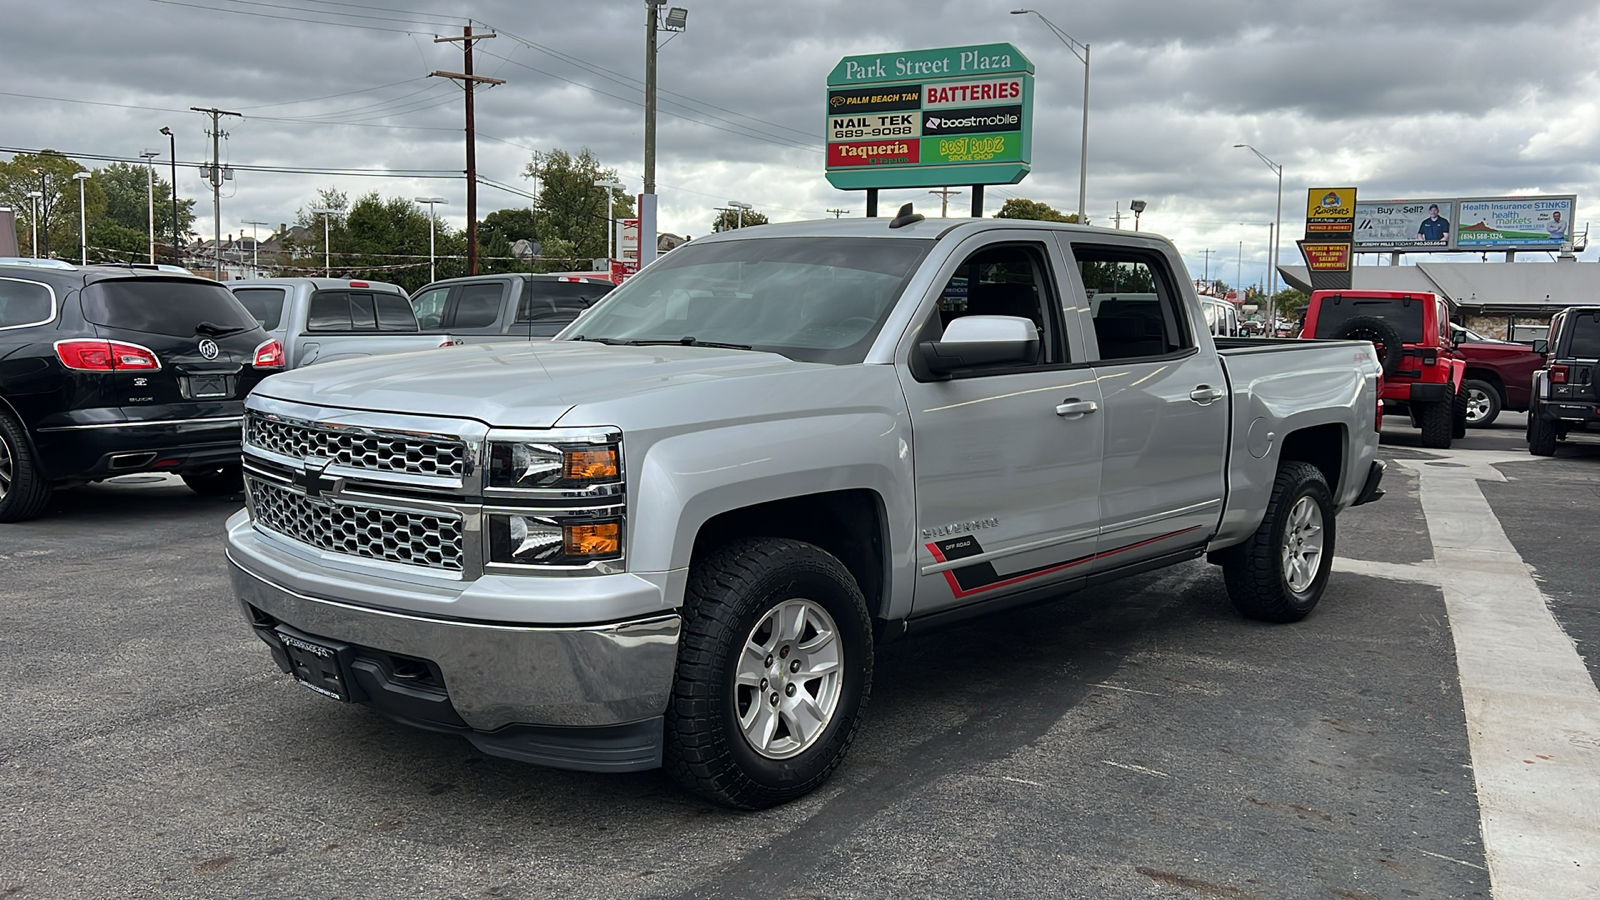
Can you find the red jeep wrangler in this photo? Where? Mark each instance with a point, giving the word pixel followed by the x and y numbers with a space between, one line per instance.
pixel 1411 332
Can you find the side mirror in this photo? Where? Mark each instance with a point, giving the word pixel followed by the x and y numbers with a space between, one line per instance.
pixel 973 341
pixel 1541 346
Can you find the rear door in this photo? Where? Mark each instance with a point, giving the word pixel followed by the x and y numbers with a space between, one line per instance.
pixel 1165 404
pixel 478 311
pixel 202 336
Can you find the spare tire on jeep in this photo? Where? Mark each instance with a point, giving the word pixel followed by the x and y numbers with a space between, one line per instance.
pixel 1382 334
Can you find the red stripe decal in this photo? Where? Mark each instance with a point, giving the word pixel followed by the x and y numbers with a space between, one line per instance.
pixel 959 592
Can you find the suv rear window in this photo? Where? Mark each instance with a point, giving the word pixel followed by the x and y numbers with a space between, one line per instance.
pixel 1404 315
pixel 265 303
pixel 155 306
pixel 1585 342
pixel 25 303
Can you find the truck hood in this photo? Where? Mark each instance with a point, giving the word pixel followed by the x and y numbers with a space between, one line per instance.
pixel 515 385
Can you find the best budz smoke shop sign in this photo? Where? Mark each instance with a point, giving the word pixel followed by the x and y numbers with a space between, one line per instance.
pixel 929 118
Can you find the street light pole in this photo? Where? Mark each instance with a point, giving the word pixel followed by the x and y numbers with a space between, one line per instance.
pixel 327 266
pixel 255 249
pixel 611 228
pixel 741 207
pixel 83 219
pixel 44 211
pixel 1075 46
pixel 1277 238
pixel 33 219
pixel 433 226
pixel 677 20
pixel 150 172
pixel 172 146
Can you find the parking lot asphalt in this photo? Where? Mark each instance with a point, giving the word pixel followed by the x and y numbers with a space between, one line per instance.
pixel 1137 741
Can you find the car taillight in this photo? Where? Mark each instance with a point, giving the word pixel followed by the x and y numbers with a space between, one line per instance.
pixel 1558 374
pixel 268 356
pixel 1377 420
pixel 88 355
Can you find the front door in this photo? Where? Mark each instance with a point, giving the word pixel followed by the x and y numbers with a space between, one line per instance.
pixel 1007 460
pixel 1166 405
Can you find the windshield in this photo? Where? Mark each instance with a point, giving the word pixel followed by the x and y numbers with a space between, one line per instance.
pixel 1404 314
pixel 810 299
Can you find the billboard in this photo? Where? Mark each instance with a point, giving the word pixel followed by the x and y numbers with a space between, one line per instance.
pixel 930 118
pixel 1497 223
pixel 1330 212
pixel 1386 225
pixel 1464 223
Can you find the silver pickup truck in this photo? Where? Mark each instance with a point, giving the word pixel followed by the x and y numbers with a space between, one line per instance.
pixel 319 320
pixel 675 535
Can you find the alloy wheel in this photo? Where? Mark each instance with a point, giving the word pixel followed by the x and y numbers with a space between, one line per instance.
pixel 1302 544
pixel 788 678
pixel 1478 405
pixel 7 468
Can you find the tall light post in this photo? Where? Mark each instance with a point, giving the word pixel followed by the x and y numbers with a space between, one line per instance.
pixel 326 214
pixel 611 227
pixel 172 147
pixel 44 211
pixel 33 219
pixel 677 19
pixel 150 171
pixel 255 249
pixel 1277 238
pixel 433 226
pixel 83 219
pixel 1081 51
pixel 741 207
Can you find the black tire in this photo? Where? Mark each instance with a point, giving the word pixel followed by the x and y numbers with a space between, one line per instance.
pixel 1541 433
pixel 1458 414
pixel 217 481
pixel 1438 423
pixel 1382 334
pixel 1483 403
pixel 1254 571
pixel 23 491
pixel 729 598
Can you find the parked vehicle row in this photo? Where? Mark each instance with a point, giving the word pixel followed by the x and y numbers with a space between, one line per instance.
pixel 1566 392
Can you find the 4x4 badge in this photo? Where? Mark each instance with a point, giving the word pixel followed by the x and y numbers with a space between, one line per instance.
pixel 209 349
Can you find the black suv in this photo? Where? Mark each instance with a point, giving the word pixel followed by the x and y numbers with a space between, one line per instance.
pixel 107 370
pixel 482 308
pixel 1566 392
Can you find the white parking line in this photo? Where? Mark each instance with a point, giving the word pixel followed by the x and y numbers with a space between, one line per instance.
pixel 1532 709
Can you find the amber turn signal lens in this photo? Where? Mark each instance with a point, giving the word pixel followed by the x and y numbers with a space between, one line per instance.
pixel 604 539
pixel 590 465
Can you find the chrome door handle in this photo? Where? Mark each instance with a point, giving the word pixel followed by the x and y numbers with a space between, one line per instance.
pixel 1073 409
pixel 1206 394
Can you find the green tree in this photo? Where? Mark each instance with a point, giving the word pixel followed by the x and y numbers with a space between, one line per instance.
pixel 125 226
pixel 386 240
pixel 58 220
pixel 1288 303
pixel 729 219
pixel 1019 208
pixel 572 206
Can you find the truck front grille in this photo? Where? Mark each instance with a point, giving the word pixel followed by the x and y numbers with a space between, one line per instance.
pixel 338 526
pixel 358 448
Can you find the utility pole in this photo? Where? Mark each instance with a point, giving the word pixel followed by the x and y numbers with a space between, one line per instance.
pixel 944 200
pixel 469 81
pixel 214 175
pixel 839 212
pixel 1207 276
pixel 1118 217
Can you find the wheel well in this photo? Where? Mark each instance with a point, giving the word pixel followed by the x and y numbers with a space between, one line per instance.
pixel 1320 445
pixel 1493 378
pixel 848 524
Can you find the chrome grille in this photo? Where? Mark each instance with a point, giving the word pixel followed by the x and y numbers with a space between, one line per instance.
pixel 411 538
pixel 358 449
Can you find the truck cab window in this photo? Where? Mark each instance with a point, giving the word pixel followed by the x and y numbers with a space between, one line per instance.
pixel 1002 280
pixel 1136 308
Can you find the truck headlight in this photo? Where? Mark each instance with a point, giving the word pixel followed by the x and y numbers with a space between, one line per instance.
pixel 545 539
pixel 545 465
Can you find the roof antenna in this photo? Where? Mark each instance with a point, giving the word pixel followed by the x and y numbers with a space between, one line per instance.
pixel 906 217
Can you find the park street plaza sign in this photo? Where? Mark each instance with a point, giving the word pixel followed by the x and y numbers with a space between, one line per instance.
pixel 930 118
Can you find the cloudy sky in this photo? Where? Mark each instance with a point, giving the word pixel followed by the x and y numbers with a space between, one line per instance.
pixel 1467 98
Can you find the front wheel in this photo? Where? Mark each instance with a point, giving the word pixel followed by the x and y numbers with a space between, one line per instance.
pixel 774 670
pixel 1458 415
pixel 1279 574
pixel 217 481
pixel 1483 403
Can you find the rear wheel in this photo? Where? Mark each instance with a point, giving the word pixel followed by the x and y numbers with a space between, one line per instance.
pixel 1458 414
pixel 1437 421
pixel 774 669
pixel 1279 574
pixel 23 491
pixel 1483 403
pixel 1541 433
pixel 216 481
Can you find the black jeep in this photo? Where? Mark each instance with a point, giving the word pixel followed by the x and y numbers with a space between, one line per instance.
pixel 109 370
pixel 1566 392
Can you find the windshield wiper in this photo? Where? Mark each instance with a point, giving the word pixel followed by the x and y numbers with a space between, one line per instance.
pixel 211 329
pixel 689 342
pixel 610 342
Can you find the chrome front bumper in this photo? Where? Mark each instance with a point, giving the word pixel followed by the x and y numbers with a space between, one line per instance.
pixel 499 675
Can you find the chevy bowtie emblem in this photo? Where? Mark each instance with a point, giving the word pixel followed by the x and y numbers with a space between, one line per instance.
pixel 209 349
pixel 312 480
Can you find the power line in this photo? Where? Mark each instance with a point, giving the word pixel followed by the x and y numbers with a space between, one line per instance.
pixel 289 170
pixel 245 12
